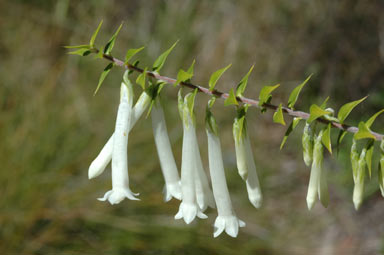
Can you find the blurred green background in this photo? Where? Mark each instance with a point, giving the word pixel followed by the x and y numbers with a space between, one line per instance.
pixel 51 126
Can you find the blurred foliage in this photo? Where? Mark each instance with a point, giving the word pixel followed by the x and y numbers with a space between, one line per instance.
pixel 51 126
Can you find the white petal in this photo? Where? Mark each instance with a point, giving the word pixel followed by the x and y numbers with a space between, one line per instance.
pixel 219 226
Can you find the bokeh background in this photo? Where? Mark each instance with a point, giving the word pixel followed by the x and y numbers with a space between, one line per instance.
pixel 52 127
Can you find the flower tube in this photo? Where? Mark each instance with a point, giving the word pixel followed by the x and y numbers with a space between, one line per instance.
pixel 164 151
pixel 98 165
pixel 120 179
pixel 307 141
pixel 358 177
pixel 189 208
pixel 226 219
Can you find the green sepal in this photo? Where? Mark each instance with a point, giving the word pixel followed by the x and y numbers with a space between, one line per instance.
pixel 216 76
pixel 141 79
pixel 153 90
pixel 104 74
pixel 373 118
pixel 240 124
pixel 81 52
pixel 159 62
pixel 363 132
pixel 289 130
pixel 82 46
pixel 111 43
pixel 326 138
pixel 180 103
pixel 94 35
pixel 368 156
pixel 231 99
pixel 296 92
pixel 346 109
pixel 243 83
pixel 190 97
pixel 278 116
pixel 316 112
pixel 210 121
pixel 131 53
pixel 265 95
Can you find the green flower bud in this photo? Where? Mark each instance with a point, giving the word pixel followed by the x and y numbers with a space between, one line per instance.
pixel 307 141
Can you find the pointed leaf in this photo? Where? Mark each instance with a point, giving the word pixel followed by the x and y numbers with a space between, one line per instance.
pixel 340 138
pixel 346 109
pixel 191 101
pixel 295 93
pixel 278 116
pixel 324 104
pixel 243 83
pixel 159 62
pixel 83 46
pixel 289 130
pixel 364 132
pixel 316 112
pixel 131 53
pixel 93 38
pixel 326 138
pixel 111 43
pixel 231 99
pixel 182 76
pixel 141 78
pixel 216 76
pixel 265 94
pixel 81 52
pixel 373 118
pixel 104 74
pixel 191 68
pixel 368 156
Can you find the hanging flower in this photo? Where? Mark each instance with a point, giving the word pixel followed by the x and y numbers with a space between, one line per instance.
pixel 189 208
pixel 227 219
pixel 245 160
pixel 120 179
pixel 98 165
pixel 358 170
pixel 317 180
pixel 307 141
pixel 167 161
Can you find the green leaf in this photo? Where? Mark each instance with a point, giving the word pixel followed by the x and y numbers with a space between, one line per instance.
pixel 231 99
pixel 346 109
pixel 289 130
pixel 182 76
pixel 364 132
pixel 243 83
pixel 93 38
pixel 191 68
pixel 278 116
pixel 368 156
pixel 340 137
pixel 159 62
pixel 324 104
pixel 131 53
pixel 216 76
pixel 80 52
pixel 141 78
pixel 104 74
pixel 111 43
pixel 265 94
pixel 326 138
pixel 83 46
pixel 295 93
pixel 210 121
pixel 316 112
pixel 373 118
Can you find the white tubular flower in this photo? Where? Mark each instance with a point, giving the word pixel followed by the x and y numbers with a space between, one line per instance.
pixel 317 180
pixel 164 151
pixel 227 219
pixel 98 165
pixel 307 141
pixel 241 155
pixel 189 208
pixel 358 177
pixel 120 179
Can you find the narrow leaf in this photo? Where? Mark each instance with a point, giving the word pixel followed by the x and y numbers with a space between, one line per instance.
pixel 316 112
pixel 182 76
pixel 340 138
pixel 373 118
pixel 231 99
pixel 159 62
pixel 80 52
pixel 104 74
pixel 368 156
pixel 324 104
pixel 131 53
pixel 111 43
pixel 141 78
pixel 278 116
pixel 93 38
pixel 83 46
pixel 265 94
pixel 243 83
pixel 289 130
pixel 191 68
pixel 346 109
pixel 216 76
pixel 326 138
pixel 296 92
pixel 363 132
